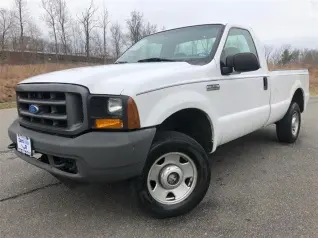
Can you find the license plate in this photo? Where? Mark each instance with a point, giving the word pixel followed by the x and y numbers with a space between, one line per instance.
pixel 24 145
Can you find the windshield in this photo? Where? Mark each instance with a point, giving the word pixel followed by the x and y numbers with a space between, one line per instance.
pixel 194 43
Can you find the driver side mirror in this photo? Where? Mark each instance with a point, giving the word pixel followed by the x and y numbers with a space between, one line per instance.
pixel 241 62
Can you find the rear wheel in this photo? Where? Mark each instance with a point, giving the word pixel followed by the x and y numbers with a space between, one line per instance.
pixel 288 128
pixel 176 176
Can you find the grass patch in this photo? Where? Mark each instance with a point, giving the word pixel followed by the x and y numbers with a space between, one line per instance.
pixel 6 105
pixel 314 90
pixel 10 75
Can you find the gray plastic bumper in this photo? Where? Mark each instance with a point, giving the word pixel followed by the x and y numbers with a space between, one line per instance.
pixel 99 156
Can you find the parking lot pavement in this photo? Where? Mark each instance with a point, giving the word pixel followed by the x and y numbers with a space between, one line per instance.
pixel 259 188
pixel 6 118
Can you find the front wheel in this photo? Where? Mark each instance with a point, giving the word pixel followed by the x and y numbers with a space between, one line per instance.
pixel 288 128
pixel 176 176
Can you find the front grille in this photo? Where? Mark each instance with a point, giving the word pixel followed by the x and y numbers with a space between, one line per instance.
pixel 51 106
pixel 57 109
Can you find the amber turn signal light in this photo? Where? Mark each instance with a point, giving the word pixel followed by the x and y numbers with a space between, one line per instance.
pixel 132 115
pixel 108 124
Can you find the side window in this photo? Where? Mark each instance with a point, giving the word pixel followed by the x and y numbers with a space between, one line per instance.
pixel 238 41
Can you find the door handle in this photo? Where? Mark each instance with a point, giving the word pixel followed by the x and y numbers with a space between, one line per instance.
pixel 265 81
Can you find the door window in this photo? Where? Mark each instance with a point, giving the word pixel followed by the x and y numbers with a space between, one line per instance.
pixel 238 41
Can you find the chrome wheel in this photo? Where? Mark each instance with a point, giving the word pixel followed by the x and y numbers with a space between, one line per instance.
pixel 172 178
pixel 295 123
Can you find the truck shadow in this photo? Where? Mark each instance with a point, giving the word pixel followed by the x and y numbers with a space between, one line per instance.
pixel 259 140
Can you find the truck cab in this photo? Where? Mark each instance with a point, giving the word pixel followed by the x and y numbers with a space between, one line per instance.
pixel 155 115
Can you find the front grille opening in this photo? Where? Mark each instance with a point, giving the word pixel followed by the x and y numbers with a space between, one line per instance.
pixel 60 123
pixel 79 108
pixel 35 120
pixel 44 159
pixel 64 164
pixel 58 109
pixel 23 95
pixel 48 122
pixel 57 96
pixel 24 106
pixel 26 118
pixel 42 95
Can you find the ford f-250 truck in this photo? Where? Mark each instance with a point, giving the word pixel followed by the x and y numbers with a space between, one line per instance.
pixel 157 112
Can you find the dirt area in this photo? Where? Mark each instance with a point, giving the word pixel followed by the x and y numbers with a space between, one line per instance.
pixel 10 75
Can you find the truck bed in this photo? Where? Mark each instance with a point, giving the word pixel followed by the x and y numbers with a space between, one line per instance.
pixel 288 72
pixel 283 84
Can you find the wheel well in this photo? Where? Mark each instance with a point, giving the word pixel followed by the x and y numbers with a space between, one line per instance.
pixel 192 122
pixel 299 99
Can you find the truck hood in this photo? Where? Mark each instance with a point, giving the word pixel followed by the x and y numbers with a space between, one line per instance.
pixel 128 79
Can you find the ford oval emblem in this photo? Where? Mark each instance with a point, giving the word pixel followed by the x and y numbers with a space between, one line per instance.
pixel 34 109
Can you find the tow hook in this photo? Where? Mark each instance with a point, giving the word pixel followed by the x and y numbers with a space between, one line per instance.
pixel 12 146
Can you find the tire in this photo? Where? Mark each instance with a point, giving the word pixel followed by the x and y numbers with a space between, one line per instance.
pixel 167 147
pixel 287 129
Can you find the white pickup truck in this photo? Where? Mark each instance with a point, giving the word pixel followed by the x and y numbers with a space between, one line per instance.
pixel 155 115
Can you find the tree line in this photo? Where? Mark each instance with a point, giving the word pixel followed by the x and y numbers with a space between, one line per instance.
pixel 286 54
pixel 89 33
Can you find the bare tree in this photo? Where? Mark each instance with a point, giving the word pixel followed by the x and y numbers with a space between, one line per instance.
pixel 77 39
pixel 14 38
pixel 33 38
pixel 88 22
pixel 116 36
pixel 96 48
pixel 21 16
pixel 51 20
pixel 276 55
pixel 6 24
pixel 79 35
pixel 149 29
pixel 309 57
pixel 135 26
pixel 281 55
pixel 63 21
pixel 268 52
pixel 104 24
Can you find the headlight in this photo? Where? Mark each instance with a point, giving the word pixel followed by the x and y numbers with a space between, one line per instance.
pixel 115 106
pixel 110 112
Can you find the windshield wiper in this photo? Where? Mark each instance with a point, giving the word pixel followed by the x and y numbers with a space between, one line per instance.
pixel 156 60
pixel 121 62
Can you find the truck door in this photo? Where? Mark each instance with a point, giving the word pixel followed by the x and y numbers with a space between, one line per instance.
pixel 245 96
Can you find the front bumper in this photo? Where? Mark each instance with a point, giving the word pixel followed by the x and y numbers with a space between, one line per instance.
pixel 98 156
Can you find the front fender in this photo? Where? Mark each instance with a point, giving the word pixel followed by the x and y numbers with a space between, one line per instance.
pixel 157 106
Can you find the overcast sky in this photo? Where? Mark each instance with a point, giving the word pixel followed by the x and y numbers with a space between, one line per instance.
pixel 273 20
